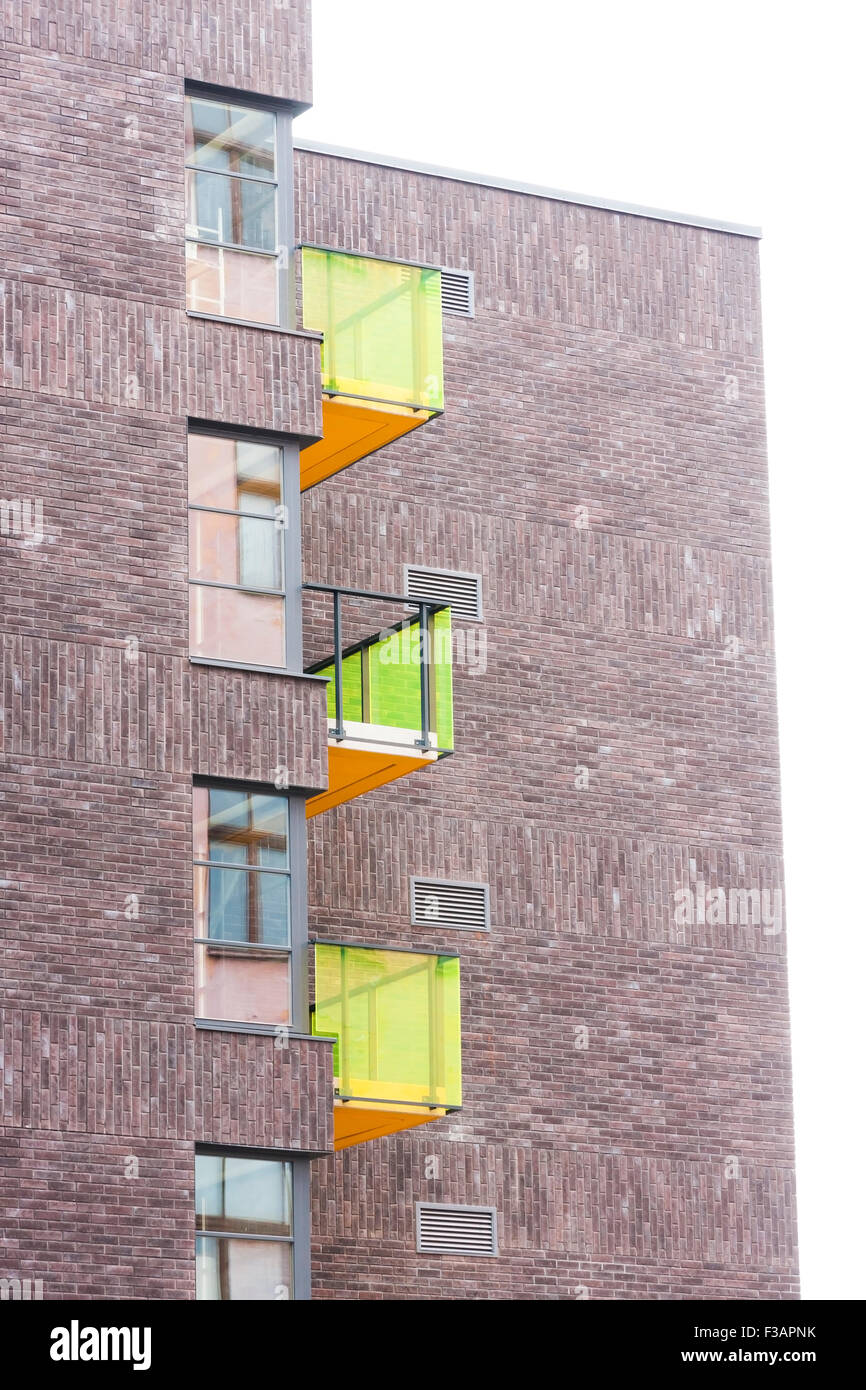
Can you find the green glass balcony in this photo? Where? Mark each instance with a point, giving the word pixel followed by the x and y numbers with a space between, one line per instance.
pixel 395 1018
pixel 381 353
pixel 390 704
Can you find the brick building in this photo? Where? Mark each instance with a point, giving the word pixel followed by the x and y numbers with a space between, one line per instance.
pixel 518 850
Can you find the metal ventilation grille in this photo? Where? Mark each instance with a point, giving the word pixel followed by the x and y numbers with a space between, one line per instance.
pixel 458 293
pixel 442 1229
pixel 462 591
pixel 450 904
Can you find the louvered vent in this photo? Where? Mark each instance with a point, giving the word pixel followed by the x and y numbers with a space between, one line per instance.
pixel 450 904
pixel 458 293
pixel 442 1229
pixel 462 591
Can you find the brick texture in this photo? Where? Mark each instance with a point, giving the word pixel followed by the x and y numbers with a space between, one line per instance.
pixel 601 463
pixel 104 722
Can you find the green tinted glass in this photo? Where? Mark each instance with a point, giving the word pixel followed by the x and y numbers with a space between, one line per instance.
pixel 382 683
pixel 382 326
pixel 352 699
pixel 396 1018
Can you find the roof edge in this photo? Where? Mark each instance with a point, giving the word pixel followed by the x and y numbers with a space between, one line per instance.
pixel 713 224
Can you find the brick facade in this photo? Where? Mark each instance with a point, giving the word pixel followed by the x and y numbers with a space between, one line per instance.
pixel 601 463
pixel 614 366
pixel 103 719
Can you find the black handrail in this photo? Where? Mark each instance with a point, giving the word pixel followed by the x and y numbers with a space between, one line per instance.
pixel 425 611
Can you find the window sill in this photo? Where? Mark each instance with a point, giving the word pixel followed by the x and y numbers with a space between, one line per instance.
pixel 256 670
pixel 251 323
pixel 261 1030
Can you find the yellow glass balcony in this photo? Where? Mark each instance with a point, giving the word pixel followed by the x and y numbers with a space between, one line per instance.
pixel 389 697
pixel 381 353
pixel 395 1018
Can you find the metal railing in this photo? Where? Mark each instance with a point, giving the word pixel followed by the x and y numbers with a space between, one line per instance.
pixel 424 611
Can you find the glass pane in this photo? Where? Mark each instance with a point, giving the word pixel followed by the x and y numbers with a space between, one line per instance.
pixel 352 685
pixel 394 685
pixel 396 1018
pixel 234 474
pixel 234 284
pixel 234 138
pixel 239 905
pixel 395 680
pixel 242 986
pixel 235 550
pixel 243 1270
pixel 236 826
pixel 242 211
pixel 251 1195
pixel 230 625
pixel 382 326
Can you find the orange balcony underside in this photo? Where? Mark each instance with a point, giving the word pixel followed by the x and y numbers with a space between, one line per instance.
pixel 357 1123
pixel 353 429
pixel 354 769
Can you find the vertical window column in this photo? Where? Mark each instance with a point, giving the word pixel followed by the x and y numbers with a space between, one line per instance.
pixel 242 905
pixel 237 211
pixel 239 534
pixel 246 1228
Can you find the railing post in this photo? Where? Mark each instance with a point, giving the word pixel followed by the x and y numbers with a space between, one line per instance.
pixel 424 639
pixel 340 731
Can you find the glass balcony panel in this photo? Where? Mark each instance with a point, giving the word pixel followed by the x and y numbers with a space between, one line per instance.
pixel 382 683
pixel 382 327
pixel 242 984
pixel 242 1270
pixel 353 700
pixel 396 1019
pixel 235 139
pixel 231 284
pixel 231 625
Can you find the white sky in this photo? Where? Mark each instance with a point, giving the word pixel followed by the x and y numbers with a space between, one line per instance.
pixel 746 112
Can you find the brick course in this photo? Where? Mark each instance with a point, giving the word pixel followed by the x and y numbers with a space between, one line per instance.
pixel 101 368
pixel 601 463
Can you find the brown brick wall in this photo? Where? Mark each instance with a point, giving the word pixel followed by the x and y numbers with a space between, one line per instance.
pixel 100 370
pixel 92 1074
pixel 614 366
pixel 601 462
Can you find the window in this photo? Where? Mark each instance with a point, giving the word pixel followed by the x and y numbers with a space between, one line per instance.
pixel 233 210
pixel 242 905
pixel 239 551
pixel 244 1246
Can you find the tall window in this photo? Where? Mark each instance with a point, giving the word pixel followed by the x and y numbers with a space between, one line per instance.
pixel 242 904
pixel 231 210
pixel 237 550
pixel 244 1228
